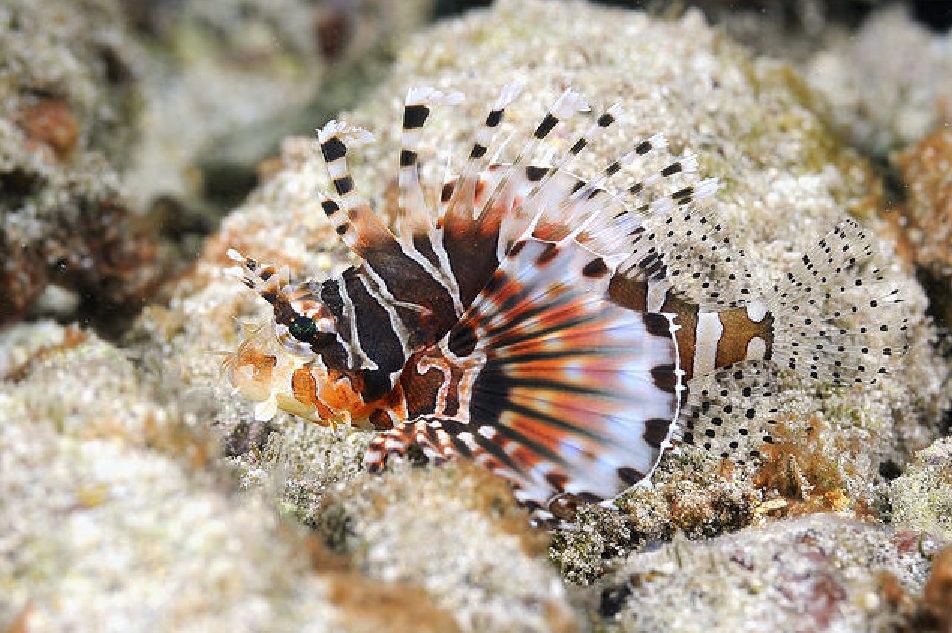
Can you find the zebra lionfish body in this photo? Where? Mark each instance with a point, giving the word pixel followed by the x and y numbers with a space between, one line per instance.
pixel 529 321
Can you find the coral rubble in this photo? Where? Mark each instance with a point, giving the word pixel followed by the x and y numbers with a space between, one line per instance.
pixel 70 105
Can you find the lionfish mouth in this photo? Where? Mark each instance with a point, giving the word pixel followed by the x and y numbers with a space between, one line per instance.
pixel 264 371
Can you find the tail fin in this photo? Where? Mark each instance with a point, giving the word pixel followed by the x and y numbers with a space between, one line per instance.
pixel 831 312
pixel 835 324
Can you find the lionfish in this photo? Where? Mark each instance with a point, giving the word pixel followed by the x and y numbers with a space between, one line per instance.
pixel 531 321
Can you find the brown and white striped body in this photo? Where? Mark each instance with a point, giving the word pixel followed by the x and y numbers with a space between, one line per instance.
pixel 528 322
pixel 707 340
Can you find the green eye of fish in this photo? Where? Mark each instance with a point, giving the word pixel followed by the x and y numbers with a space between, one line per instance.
pixel 303 328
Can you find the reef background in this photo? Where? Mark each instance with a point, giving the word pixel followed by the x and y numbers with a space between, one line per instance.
pixel 141 140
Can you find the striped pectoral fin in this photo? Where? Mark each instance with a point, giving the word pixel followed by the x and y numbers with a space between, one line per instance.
pixel 393 442
pixel 561 392
pixel 438 437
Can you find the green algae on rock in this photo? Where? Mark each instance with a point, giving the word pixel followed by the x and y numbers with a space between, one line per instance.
pixel 921 498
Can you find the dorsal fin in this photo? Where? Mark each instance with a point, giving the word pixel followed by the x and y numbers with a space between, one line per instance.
pixel 547 187
pixel 415 217
pixel 476 206
pixel 400 272
pixel 565 106
pixel 358 226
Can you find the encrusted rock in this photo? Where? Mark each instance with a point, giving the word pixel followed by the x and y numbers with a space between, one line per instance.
pixel 926 169
pixel 70 111
pixel 816 573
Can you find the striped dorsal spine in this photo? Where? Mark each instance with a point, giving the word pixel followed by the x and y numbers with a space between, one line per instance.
pixel 530 320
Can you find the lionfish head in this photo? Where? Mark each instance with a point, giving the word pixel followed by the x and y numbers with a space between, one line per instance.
pixel 284 364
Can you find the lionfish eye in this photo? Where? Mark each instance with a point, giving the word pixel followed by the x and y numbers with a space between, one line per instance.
pixel 303 328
